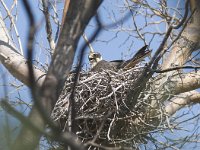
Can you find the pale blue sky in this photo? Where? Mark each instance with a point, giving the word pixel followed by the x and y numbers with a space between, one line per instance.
pixel 123 46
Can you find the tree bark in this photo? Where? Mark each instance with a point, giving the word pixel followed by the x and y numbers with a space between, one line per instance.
pixel 14 62
pixel 80 12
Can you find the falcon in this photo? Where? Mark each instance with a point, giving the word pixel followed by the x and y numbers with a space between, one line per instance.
pixel 97 63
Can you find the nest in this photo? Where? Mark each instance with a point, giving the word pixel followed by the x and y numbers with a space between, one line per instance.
pixel 102 113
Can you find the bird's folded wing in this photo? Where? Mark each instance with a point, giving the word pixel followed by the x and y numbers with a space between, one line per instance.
pixel 138 57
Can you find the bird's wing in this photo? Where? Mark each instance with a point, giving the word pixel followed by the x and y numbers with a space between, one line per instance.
pixel 116 63
pixel 102 65
pixel 138 57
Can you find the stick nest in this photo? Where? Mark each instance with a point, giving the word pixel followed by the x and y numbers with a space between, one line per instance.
pixel 103 114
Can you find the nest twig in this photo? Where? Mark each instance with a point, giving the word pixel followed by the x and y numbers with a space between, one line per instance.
pixel 102 115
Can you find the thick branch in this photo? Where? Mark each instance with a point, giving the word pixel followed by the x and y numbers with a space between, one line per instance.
pixel 79 14
pixel 15 63
pixel 181 101
pixel 78 17
pixel 179 54
pixel 186 82
pixel 180 82
pixel 175 83
pixel 187 42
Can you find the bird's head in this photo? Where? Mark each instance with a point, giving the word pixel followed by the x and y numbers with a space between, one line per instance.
pixel 94 58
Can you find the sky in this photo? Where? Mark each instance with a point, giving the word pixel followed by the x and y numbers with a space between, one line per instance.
pixel 113 43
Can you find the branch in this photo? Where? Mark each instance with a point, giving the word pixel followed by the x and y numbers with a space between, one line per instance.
pixel 187 42
pixel 14 25
pixel 79 14
pixel 177 68
pixel 59 136
pixel 88 43
pixel 48 25
pixel 14 62
pixel 147 74
pixel 186 82
pixel 160 52
pixel 179 54
pixel 176 83
pixel 65 10
pixel 181 101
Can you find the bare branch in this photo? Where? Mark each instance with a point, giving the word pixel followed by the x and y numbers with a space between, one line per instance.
pixel 14 25
pixel 177 68
pixel 88 42
pixel 48 25
pixel 180 101
pixel 80 12
pixel 186 44
pixel 186 82
pixel 13 61
pixel 66 137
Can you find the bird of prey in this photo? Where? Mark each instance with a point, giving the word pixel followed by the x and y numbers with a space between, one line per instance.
pixel 97 63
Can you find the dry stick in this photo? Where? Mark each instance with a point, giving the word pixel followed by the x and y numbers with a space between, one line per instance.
pixel 177 68
pixel 14 25
pixel 13 5
pixel 146 74
pixel 37 100
pixel 72 113
pixel 184 17
pixel 176 27
pixel 48 25
pixel 56 20
pixel 134 23
pixel 36 97
pixel 66 137
pixel 184 26
pixel 57 71
pixel 88 43
pixel 155 59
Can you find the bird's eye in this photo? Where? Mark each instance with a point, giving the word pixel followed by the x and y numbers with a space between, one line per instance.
pixel 91 58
